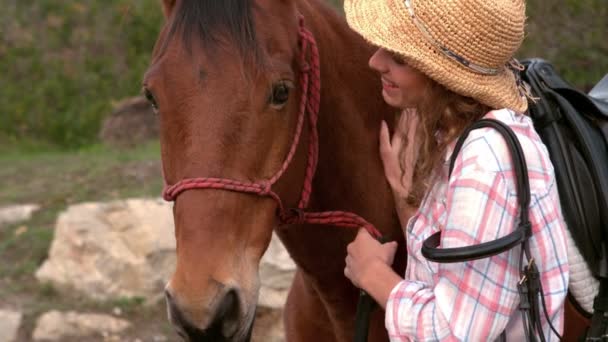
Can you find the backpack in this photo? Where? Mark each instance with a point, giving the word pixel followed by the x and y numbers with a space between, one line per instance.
pixel 574 127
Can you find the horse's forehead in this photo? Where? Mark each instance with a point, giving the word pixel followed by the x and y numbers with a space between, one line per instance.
pixel 245 25
pixel 282 7
pixel 188 54
pixel 275 18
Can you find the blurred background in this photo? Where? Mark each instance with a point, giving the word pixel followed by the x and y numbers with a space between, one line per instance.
pixel 74 129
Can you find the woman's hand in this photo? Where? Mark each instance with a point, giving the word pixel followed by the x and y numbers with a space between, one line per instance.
pixel 365 256
pixel 390 148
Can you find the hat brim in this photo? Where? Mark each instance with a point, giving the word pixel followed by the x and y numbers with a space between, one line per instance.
pixel 387 24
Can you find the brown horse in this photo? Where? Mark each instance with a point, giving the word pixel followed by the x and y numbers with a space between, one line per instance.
pixel 226 80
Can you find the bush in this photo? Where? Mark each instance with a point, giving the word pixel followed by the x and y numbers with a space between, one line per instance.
pixel 568 33
pixel 571 35
pixel 64 62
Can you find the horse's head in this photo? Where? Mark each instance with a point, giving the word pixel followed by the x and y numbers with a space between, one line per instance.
pixel 225 79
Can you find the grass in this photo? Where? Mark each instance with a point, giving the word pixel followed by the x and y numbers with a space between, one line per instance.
pixel 54 179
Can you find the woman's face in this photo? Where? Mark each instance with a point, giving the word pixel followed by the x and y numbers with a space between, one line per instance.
pixel 402 85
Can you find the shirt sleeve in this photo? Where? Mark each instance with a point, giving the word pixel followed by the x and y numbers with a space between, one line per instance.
pixel 469 301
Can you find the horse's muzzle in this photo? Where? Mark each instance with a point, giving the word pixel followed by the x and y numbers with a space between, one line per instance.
pixel 223 327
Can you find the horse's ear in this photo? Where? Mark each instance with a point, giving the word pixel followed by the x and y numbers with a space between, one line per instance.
pixel 168 7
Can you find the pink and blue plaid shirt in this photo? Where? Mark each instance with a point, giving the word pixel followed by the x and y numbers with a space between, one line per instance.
pixel 478 300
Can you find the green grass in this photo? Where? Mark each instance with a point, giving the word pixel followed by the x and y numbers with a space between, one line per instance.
pixel 54 178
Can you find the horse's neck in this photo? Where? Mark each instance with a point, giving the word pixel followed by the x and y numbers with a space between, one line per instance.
pixel 349 175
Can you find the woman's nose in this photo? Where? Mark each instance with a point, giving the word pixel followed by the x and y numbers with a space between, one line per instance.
pixel 378 61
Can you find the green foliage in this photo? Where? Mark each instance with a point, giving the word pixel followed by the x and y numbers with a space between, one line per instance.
pixel 31 243
pixel 127 303
pixel 47 290
pixel 62 63
pixel 570 34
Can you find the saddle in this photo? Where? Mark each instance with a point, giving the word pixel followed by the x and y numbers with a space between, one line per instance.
pixel 574 127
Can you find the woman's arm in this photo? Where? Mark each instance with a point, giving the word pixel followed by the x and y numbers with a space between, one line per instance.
pixel 404 210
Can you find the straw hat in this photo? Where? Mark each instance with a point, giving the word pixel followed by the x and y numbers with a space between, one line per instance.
pixel 465 45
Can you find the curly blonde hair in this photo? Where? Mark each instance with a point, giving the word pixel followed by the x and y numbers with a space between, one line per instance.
pixel 443 115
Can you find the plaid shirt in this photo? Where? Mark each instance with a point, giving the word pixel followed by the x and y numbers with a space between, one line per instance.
pixel 477 300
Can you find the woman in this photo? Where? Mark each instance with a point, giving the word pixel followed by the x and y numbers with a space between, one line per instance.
pixel 447 64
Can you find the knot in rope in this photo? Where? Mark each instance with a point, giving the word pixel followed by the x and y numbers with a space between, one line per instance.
pixel 265 187
pixel 294 216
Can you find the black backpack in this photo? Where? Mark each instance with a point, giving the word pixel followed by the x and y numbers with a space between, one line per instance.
pixel 574 127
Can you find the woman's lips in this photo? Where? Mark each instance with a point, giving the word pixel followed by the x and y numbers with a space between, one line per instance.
pixel 388 85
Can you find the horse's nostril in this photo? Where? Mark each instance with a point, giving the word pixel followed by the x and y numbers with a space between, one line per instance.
pixel 227 317
pixel 224 326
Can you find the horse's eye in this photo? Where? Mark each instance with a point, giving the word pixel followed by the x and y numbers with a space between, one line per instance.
pixel 150 97
pixel 280 94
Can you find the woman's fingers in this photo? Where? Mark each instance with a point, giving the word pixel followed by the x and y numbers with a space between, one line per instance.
pixel 389 149
pixel 385 140
pixel 391 249
pixel 362 233
pixel 398 135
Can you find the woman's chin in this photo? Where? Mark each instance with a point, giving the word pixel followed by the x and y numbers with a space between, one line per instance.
pixel 392 100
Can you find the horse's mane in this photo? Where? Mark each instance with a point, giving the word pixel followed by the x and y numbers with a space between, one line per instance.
pixel 211 22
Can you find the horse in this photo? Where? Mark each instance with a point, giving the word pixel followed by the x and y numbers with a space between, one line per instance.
pixel 226 79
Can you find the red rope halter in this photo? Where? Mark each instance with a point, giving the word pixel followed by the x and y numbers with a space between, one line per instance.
pixel 310 82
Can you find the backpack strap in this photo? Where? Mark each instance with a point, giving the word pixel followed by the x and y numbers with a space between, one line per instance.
pixel 529 287
pixel 599 322
pixel 505 243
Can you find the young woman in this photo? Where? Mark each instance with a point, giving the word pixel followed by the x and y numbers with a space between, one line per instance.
pixel 447 64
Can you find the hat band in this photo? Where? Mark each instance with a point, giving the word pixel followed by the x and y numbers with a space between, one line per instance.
pixel 447 52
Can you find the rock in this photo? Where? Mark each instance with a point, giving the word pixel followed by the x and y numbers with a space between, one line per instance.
pixel 276 274
pixel 133 121
pixel 16 213
pixel 9 325
pixel 111 250
pixel 55 325
pixel 127 249
pixel 268 326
